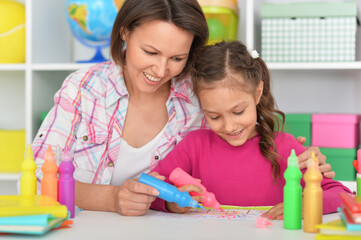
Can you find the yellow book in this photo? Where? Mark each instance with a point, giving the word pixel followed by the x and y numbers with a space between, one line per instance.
pixel 320 236
pixel 16 205
pixel 336 227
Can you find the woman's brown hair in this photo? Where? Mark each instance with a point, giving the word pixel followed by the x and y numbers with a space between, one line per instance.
pixel 185 14
pixel 214 63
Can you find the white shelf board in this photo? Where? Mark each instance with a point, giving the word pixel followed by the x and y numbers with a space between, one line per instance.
pixel 13 67
pixel 60 66
pixel 9 176
pixel 315 66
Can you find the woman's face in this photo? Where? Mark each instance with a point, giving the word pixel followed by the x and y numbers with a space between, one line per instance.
pixel 156 52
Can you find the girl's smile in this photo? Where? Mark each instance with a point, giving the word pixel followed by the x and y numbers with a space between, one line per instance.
pixel 235 135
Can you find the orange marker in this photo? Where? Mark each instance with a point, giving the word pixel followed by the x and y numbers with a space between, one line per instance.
pixel 312 196
pixel 49 182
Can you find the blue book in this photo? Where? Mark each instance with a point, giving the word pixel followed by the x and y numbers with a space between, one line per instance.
pixel 30 224
pixel 347 220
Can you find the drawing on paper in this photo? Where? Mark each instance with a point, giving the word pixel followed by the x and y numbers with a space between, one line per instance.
pixel 230 213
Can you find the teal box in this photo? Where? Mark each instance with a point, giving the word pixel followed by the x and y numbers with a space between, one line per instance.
pixel 309 31
pixel 299 124
pixel 341 161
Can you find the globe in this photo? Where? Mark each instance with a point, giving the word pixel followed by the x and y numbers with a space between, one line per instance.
pixel 91 23
pixel 216 30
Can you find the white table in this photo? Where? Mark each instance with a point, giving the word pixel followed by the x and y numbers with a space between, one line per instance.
pixel 104 225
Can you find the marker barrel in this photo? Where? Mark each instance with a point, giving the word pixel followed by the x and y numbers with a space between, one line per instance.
pixel 168 192
pixel 67 183
pixel 358 183
pixel 181 178
pixel 292 194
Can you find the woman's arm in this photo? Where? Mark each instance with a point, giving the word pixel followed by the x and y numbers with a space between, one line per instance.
pixel 130 199
pixel 95 197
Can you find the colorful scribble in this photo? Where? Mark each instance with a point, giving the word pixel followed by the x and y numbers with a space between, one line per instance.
pixel 230 213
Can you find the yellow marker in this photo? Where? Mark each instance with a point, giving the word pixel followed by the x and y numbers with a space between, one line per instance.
pixel 312 196
pixel 28 179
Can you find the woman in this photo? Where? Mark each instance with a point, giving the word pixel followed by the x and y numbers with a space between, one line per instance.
pixel 123 116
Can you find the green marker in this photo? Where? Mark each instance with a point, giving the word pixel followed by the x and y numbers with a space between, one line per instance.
pixel 358 184
pixel 292 194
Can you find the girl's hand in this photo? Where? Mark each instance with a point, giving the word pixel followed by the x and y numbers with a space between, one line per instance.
pixel 325 168
pixel 134 198
pixel 173 207
pixel 275 213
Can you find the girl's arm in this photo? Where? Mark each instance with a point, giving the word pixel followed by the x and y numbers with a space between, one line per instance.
pixel 331 188
pixel 181 156
pixel 331 199
pixel 331 195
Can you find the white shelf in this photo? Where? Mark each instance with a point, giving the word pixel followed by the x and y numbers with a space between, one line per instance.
pixel 316 66
pixel 59 66
pixel 12 67
pixel 9 176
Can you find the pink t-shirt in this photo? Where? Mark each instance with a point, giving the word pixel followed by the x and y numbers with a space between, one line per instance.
pixel 241 175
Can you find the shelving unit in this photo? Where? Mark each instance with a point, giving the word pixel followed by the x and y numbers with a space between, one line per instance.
pixel 28 88
pixel 51 52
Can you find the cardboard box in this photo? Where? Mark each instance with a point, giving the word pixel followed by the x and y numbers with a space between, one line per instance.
pixel 309 31
pixel 335 130
pixel 12 147
pixel 299 125
pixel 341 161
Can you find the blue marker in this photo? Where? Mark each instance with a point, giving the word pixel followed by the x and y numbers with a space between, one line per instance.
pixel 168 192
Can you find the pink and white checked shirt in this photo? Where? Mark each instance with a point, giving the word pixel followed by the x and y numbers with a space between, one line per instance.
pixel 88 118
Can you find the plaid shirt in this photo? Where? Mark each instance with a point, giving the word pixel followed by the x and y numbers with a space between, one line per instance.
pixel 88 118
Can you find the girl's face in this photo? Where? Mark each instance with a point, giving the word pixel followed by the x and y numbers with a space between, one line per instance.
pixel 230 112
pixel 156 52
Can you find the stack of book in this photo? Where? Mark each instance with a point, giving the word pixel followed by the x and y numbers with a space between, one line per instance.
pixel 349 224
pixel 31 215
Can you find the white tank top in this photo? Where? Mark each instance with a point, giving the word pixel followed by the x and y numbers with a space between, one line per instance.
pixel 131 162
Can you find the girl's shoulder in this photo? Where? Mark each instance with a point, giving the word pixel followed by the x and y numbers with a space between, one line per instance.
pixel 283 138
pixel 285 142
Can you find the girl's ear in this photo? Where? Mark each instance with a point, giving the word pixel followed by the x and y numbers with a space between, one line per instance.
pixel 259 92
pixel 124 34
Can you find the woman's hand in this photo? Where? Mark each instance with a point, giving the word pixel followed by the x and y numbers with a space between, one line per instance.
pixel 275 213
pixel 325 168
pixel 134 198
pixel 173 207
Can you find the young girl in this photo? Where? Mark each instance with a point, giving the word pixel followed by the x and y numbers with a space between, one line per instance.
pixel 241 158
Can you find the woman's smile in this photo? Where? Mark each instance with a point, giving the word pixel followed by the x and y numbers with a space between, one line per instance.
pixel 151 78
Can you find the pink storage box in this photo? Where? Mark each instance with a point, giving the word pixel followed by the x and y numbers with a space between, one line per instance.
pixel 335 130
